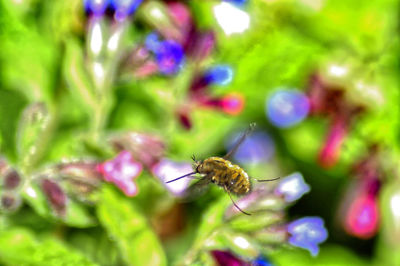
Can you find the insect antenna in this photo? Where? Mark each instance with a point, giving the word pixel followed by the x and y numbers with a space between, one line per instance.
pixel 266 180
pixel 192 173
pixel 234 203
pixel 193 158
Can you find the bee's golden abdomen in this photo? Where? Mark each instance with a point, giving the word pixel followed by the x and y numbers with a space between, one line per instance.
pixel 227 175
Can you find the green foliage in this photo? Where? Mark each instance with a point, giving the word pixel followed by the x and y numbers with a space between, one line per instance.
pixel 19 247
pixel 130 230
pixel 44 58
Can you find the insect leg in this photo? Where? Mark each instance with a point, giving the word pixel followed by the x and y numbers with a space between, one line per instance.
pixel 229 193
pixel 266 180
pixel 240 141
pixel 192 173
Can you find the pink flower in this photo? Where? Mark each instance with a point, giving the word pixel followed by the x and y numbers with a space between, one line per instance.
pixel 362 219
pixel 330 153
pixel 121 171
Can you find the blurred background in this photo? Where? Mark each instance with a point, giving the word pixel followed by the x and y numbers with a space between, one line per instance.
pixel 102 102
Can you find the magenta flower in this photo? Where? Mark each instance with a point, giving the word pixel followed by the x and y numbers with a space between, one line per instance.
pixel 225 258
pixel 362 218
pixel 292 187
pixel 121 171
pixel 330 153
pixel 307 233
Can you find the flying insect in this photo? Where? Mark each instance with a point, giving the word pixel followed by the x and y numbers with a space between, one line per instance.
pixel 220 171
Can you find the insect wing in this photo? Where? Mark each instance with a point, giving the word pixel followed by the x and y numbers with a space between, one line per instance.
pixel 249 130
pixel 197 189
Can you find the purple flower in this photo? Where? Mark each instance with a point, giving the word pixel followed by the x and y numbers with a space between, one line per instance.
pixel 121 171
pixel 257 148
pixel 292 187
pixel 307 233
pixel 169 57
pixel 286 108
pixel 96 7
pixel 167 170
pixel 220 75
pixel 124 8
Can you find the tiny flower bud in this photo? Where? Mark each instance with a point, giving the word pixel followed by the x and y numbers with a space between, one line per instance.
pixel 220 75
pixel 55 195
pixel 145 148
pixel 9 201
pixel 96 7
pixel 124 8
pixel 169 57
pixel 261 261
pixel 11 180
pixel 232 103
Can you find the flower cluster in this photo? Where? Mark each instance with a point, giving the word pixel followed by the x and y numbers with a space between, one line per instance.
pixel 329 99
pixel 266 225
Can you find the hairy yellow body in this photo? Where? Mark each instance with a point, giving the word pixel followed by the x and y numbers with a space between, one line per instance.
pixel 225 174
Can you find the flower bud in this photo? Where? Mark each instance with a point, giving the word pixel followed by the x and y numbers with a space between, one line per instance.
pixel 223 258
pixel 55 196
pixel 147 149
pixel 9 201
pixel 11 180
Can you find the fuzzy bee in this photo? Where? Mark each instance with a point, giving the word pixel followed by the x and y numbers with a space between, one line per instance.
pixel 220 171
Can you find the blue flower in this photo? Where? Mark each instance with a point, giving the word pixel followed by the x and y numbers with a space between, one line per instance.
pixel 256 148
pixel 125 8
pixel 292 187
pixel 220 75
pixel 96 7
pixel 152 41
pixel 169 57
pixel 286 108
pixel 307 233
pixel 261 261
pixel 236 2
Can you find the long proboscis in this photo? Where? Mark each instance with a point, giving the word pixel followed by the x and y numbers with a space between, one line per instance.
pixel 192 173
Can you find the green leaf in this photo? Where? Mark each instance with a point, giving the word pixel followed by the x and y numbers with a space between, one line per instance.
pixel 32 134
pixel 11 106
pixel 76 75
pixel 137 242
pixel 19 247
